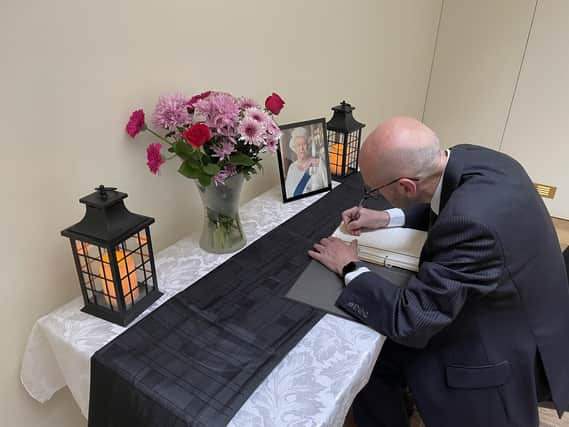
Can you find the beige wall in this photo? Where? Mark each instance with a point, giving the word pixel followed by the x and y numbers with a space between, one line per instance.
pixel 537 133
pixel 73 70
pixel 500 79
pixel 477 61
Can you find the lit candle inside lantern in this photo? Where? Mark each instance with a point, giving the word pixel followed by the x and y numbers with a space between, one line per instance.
pixel 336 159
pixel 126 265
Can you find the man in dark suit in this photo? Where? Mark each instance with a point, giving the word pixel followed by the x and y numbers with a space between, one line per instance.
pixel 481 332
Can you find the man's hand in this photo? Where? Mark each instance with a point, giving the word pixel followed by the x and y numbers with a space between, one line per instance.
pixel 356 219
pixel 334 253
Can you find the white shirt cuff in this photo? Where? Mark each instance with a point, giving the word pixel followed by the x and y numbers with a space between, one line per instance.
pixel 352 275
pixel 396 217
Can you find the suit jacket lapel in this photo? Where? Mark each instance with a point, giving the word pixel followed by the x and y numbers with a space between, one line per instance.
pixel 451 179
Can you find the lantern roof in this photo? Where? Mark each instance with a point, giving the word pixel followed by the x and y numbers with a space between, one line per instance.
pixel 107 221
pixel 343 120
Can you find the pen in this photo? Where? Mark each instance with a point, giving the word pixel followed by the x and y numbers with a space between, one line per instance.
pixel 356 214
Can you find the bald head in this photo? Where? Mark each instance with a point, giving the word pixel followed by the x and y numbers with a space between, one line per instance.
pixel 400 146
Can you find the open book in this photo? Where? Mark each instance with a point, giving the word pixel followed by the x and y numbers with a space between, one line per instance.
pixel 398 247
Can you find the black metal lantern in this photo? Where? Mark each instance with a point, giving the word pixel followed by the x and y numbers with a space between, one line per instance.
pixel 113 255
pixel 344 138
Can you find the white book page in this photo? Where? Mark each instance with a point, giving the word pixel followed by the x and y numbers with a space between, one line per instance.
pixel 400 247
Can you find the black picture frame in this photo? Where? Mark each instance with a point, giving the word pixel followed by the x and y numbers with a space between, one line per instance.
pixel 304 181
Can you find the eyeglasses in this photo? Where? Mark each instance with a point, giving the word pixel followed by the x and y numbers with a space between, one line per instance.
pixel 372 193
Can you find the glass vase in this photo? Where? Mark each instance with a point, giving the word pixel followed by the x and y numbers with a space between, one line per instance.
pixel 222 231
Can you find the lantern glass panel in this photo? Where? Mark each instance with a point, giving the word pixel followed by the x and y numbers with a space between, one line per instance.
pixel 135 267
pixel 343 152
pixel 89 286
pixel 96 274
pixel 352 151
pixel 335 152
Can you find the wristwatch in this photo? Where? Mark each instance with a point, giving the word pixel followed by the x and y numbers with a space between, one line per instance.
pixel 351 266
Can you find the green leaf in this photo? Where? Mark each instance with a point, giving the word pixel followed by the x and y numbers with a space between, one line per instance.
pixel 204 157
pixel 241 159
pixel 171 150
pixel 204 180
pixel 184 150
pixel 211 169
pixel 188 170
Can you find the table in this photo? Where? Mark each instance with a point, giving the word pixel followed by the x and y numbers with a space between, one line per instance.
pixel 313 385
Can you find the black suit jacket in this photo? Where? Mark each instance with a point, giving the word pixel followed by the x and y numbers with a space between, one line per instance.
pixel 491 293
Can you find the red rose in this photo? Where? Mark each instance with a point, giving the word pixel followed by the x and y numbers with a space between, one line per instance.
pixel 274 103
pixel 197 135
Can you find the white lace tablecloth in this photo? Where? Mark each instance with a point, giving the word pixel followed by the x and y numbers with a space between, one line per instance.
pixel 314 385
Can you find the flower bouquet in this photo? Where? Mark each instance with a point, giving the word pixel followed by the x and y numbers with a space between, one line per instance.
pixel 219 139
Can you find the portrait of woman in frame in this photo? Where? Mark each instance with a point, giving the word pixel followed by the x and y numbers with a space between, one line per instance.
pixel 303 159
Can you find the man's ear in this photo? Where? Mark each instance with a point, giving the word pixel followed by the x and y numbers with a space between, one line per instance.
pixel 409 187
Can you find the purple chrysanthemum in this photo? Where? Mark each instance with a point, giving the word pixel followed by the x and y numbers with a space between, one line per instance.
pixel 222 175
pixel 245 103
pixel 196 98
pixel 171 112
pixel 258 115
pixel 272 145
pixel 219 111
pixel 223 150
pixel 251 131
pixel 273 130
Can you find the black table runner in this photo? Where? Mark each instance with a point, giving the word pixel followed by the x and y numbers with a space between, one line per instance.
pixel 197 358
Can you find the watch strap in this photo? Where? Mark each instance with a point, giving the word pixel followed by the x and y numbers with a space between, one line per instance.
pixel 351 266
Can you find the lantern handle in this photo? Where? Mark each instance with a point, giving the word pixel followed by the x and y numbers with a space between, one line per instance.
pixel 103 190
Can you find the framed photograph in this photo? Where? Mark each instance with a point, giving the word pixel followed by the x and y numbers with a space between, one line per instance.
pixel 303 159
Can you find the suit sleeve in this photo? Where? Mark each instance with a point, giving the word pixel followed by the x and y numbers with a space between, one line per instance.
pixel 464 261
pixel 417 216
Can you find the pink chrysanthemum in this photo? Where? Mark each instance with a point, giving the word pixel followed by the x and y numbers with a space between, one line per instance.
pixel 224 150
pixel 196 98
pixel 153 158
pixel 135 123
pixel 273 130
pixel 258 115
pixel 220 111
pixel 245 103
pixel 251 131
pixel 171 112
pixel 272 145
pixel 222 175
